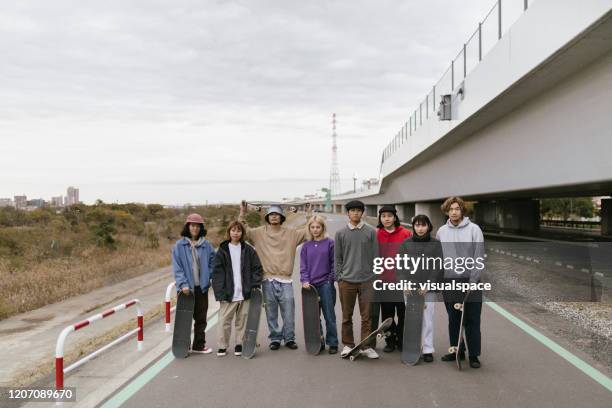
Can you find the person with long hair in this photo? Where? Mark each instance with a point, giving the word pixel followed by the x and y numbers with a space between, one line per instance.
pixel 192 261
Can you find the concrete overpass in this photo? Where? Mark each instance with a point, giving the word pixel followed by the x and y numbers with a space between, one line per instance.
pixel 529 118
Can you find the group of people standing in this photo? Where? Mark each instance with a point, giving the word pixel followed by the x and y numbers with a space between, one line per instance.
pixel 267 260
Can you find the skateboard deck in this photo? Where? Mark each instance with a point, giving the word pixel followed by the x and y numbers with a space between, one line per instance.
pixel 457 349
pixel 181 338
pixel 312 321
pixel 383 330
pixel 252 324
pixel 413 324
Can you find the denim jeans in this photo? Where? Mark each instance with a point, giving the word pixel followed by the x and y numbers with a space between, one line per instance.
pixel 278 294
pixel 327 295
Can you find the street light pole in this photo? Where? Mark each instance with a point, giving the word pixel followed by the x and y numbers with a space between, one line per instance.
pixel 354 183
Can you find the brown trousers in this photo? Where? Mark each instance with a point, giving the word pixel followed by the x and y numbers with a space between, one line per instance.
pixel 229 311
pixel 350 293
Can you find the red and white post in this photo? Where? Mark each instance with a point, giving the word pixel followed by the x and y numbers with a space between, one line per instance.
pixel 61 340
pixel 168 303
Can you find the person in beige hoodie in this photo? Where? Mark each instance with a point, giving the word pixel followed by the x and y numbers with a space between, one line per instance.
pixel 276 246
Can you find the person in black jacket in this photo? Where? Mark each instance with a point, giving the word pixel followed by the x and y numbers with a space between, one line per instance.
pixel 422 245
pixel 236 271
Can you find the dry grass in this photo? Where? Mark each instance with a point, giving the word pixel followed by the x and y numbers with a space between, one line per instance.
pixel 37 281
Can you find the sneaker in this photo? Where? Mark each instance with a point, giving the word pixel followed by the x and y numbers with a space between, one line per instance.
pixel 452 357
pixel 345 351
pixel 205 350
pixel 474 362
pixel 428 357
pixel 333 350
pixel 389 348
pixel 275 345
pixel 291 344
pixel 370 353
pixel 238 350
pixel 221 352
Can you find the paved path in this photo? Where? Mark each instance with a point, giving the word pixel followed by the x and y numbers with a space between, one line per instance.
pixel 520 368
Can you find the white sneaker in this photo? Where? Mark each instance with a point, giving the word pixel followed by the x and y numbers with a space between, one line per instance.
pixel 369 353
pixel 345 351
pixel 205 350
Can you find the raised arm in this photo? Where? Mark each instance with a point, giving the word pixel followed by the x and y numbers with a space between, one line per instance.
pixel 242 218
pixel 301 232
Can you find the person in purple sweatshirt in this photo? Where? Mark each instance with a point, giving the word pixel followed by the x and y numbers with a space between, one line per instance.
pixel 317 269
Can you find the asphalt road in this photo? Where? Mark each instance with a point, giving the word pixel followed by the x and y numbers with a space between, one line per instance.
pixel 517 370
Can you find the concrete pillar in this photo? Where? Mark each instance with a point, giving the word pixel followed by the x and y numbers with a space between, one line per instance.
pixel 606 216
pixel 519 215
pixel 432 210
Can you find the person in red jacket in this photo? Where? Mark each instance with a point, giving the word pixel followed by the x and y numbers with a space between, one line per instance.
pixel 390 235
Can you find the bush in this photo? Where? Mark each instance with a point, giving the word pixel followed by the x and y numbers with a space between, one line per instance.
pixel 101 223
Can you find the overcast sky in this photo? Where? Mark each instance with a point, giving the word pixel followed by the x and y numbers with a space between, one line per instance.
pixel 187 101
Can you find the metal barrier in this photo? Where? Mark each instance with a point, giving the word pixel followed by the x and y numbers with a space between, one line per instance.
pixel 168 302
pixel 59 348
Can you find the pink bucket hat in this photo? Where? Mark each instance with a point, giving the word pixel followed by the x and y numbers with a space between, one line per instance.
pixel 194 218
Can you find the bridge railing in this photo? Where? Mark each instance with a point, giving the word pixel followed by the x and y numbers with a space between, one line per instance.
pixel 489 31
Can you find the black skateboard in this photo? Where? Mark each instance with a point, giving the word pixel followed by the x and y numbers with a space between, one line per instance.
pixel 383 330
pixel 252 324
pixel 457 349
pixel 413 324
pixel 312 321
pixel 181 338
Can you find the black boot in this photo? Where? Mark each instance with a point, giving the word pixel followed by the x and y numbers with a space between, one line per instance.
pixel 474 362
pixel 428 358
pixel 452 357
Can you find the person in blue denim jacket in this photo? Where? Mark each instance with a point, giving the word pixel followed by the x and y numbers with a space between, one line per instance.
pixel 192 262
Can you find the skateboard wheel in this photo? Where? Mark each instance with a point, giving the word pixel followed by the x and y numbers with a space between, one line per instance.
pixel 352 358
pixel 378 336
pixel 457 306
pixel 452 349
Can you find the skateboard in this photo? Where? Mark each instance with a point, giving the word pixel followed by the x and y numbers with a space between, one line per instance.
pixel 252 324
pixel 181 338
pixel 457 349
pixel 312 320
pixel 413 324
pixel 383 330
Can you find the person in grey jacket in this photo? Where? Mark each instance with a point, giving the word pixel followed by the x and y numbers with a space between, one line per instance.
pixel 355 250
pixel 461 240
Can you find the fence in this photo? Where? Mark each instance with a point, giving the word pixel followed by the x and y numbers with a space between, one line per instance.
pixel 61 340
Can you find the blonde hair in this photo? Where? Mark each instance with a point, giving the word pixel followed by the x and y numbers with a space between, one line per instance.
pixel 318 219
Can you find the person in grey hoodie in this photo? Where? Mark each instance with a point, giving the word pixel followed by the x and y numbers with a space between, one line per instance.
pixel 462 239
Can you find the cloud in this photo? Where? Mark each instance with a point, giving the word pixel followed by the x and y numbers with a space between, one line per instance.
pixel 162 90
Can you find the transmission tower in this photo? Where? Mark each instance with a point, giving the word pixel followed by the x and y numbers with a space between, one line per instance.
pixel 334 174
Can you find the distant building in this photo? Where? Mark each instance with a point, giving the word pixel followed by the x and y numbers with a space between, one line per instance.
pixel 21 201
pixel 72 196
pixel 6 202
pixel 35 203
pixel 57 201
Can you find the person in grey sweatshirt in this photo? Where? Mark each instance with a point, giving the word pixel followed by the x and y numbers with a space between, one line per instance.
pixel 355 250
pixel 462 239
